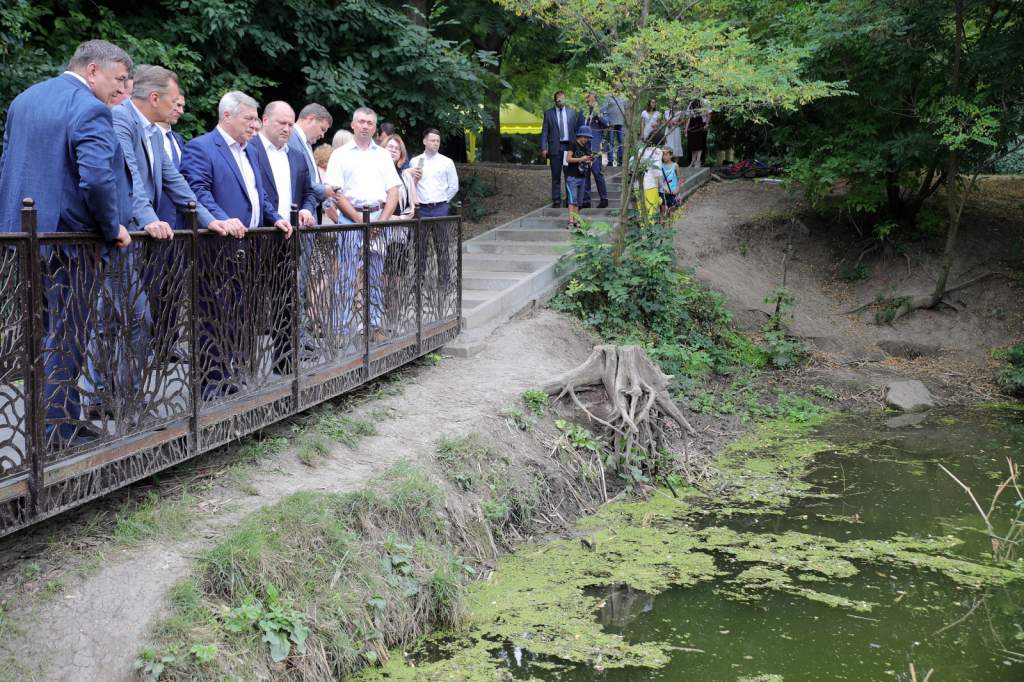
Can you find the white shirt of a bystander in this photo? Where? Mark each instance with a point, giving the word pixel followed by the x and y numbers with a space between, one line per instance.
pixel 363 175
pixel 440 181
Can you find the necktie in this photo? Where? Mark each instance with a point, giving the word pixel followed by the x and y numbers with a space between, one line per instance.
pixel 175 157
pixel 561 124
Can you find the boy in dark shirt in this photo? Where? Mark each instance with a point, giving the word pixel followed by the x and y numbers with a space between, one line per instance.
pixel 577 161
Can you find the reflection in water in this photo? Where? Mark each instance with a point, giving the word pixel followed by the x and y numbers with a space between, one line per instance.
pixel 621 604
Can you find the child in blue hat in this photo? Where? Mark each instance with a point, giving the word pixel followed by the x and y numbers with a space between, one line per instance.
pixel 577 162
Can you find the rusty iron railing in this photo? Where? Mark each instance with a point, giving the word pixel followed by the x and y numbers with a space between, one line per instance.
pixel 117 363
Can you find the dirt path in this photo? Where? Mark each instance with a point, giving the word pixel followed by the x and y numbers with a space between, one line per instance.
pixel 96 626
pixel 736 234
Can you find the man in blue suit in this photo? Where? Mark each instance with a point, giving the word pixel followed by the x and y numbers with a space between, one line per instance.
pixel 286 180
pixel 174 144
pixel 556 134
pixel 224 173
pixel 60 149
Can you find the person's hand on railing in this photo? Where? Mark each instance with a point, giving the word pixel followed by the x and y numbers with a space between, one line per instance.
pixel 306 218
pixel 285 227
pixel 235 228
pixel 158 229
pixel 123 238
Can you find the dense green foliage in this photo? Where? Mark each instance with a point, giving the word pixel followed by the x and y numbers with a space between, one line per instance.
pixel 1011 376
pixel 342 55
pixel 643 298
pixel 881 152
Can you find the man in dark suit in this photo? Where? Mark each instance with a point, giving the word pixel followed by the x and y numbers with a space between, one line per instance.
pixel 557 132
pixel 60 149
pixel 314 120
pixel 286 180
pixel 173 143
pixel 224 173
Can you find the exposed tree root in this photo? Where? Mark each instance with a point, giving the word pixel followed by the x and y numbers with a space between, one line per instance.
pixel 626 394
pixel 907 304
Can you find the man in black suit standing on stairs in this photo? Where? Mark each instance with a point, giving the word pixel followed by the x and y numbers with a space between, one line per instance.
pixel 557 133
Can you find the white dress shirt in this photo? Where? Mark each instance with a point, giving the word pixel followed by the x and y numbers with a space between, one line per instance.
pixel 439 182
pixel 364 175
pixel 248 176
pixel 306 146
pixel 171 147
pixel 282 172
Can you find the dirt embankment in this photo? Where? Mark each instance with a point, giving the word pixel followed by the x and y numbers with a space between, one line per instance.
pixel 744 238
pixel 79 602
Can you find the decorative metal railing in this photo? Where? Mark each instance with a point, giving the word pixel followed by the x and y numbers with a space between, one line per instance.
pixel 117 363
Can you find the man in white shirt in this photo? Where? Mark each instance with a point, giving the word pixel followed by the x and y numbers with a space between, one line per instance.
pixel 437 183
pixel 366 182
pixel 285 177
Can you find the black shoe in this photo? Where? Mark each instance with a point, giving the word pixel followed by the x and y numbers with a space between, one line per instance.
pixel 603 203
pixel 97 413
pixel 556 204
pixel 85 434
pixel 586 205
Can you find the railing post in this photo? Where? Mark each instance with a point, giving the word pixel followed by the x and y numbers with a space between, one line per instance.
pixel 35 410
pixel 458 249
pixel 195 384
pixel 296 316
pixel 419 278
pixel 366 291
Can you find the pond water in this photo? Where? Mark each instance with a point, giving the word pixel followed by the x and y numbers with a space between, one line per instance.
pixel 882 564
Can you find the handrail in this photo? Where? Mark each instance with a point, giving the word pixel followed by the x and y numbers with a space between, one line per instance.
pixel 117 363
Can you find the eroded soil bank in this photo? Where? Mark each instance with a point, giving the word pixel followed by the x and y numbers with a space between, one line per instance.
pixel 83 594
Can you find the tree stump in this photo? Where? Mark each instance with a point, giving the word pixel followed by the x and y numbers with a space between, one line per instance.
pixel 636 406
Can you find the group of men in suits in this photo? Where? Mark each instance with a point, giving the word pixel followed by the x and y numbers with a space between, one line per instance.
pixel 561 123
pixel 95 161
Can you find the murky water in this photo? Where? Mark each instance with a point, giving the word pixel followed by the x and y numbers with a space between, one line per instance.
pixel 919 617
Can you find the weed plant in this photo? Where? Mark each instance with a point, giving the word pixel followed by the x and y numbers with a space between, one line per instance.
pixel 644 298
pixel 1011 376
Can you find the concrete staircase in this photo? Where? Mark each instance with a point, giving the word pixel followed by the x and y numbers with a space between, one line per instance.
pixel 525 261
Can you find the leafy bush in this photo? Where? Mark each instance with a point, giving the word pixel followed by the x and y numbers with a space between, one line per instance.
pixel 643 298
pixel 1011 376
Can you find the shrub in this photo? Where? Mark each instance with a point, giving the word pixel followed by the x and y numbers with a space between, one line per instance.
pixel 1011 376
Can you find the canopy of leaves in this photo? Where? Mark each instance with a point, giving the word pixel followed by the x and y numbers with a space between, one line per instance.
pixel 342 55
pixel 884 144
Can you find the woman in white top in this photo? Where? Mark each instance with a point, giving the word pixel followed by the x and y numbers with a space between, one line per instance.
pixel 675 118
pixel 651 120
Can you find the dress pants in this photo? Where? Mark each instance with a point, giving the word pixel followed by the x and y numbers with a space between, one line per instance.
pixel 555 157
pixel 598 174
pixel 438 237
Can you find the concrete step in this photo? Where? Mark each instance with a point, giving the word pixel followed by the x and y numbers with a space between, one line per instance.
pixel 505 303
pixel 524 234
pixel 505 262
pixel 553 222
pixel 496 246
pixel 475 299
pixel 563 213
pixel 493 280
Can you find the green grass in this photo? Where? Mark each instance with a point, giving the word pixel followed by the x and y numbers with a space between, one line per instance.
pixel 155 517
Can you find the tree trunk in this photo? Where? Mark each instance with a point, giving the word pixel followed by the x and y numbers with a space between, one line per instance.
pixel 490 141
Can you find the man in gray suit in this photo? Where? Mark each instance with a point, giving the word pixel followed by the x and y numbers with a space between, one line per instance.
pixel 557 133
pixel 154 174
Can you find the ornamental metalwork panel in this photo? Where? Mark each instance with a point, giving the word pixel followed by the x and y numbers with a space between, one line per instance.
pixel 117 363
pixel 243 315
pixel 441 286
pixel 115 334
pixel 332 313
pixel 15 363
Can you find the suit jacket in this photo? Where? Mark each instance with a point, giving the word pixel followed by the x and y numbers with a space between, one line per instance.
pixel 60 149
pixel 598 122
pixel 151 184
pixel 166 210
pixel 551 134
pixel 302 189
pixel 295 142
pixel 211 171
